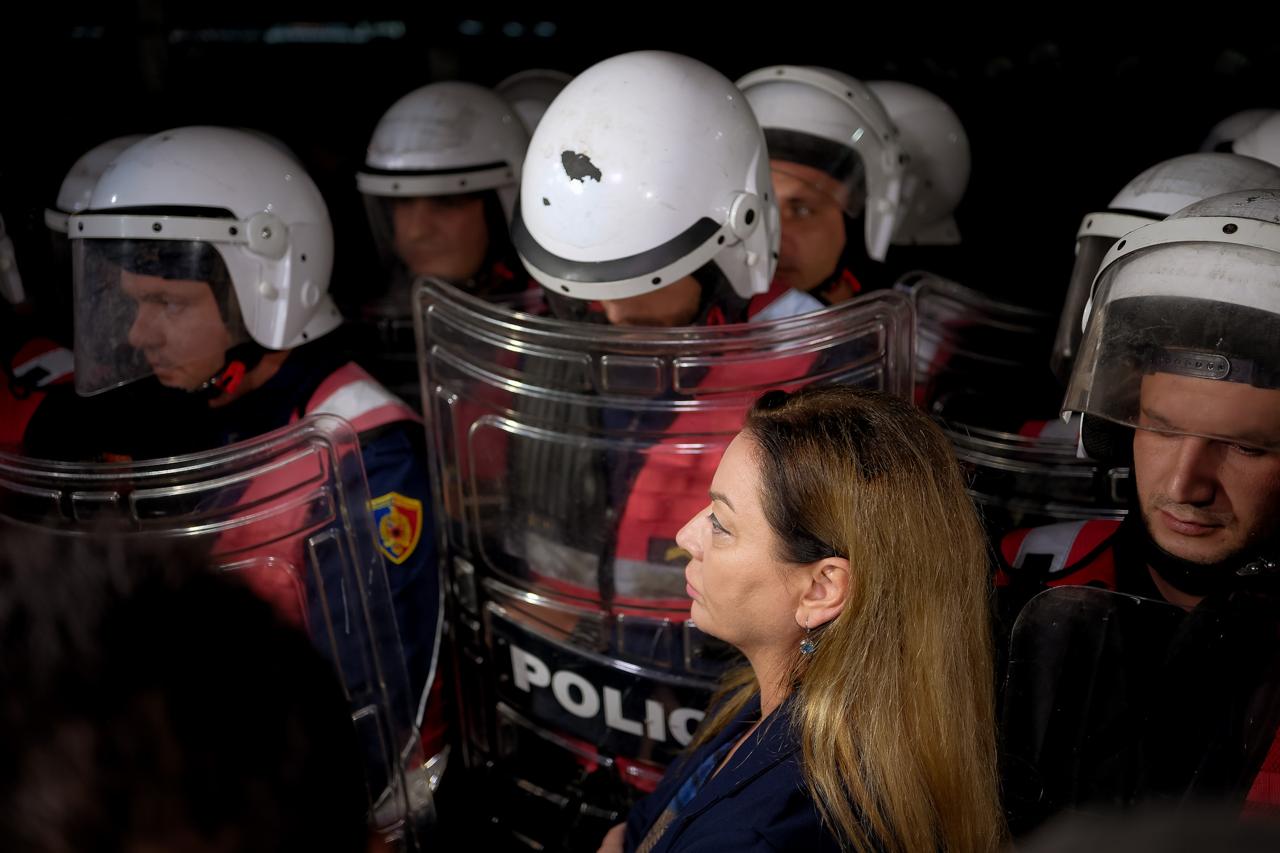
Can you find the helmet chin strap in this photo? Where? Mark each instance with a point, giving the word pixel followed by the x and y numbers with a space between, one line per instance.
pixel 240 359
pixel 1249 569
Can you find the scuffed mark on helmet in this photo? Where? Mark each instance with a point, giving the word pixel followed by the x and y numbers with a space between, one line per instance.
pixel 579 167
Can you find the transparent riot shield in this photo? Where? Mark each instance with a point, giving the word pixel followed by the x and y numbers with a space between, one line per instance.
pixel 383 335
pixel 567 456
pixel 969 347
pixel 982 372
pixel 1021 481
pixel 289 511
pixel 1113 700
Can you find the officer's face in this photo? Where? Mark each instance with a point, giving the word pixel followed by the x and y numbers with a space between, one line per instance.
pixel 741 592
pixel 443 236
pixel 810 202
pixel 178 327
pixel 674 305
pixel 1203 499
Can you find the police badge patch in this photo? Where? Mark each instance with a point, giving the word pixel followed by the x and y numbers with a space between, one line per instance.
pixel 399 523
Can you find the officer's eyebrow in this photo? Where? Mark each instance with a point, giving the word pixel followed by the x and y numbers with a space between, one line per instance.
pixel 1151 415
pixel 1252 439
pixel 722 498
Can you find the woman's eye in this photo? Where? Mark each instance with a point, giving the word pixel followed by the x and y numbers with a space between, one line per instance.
pixel 716 526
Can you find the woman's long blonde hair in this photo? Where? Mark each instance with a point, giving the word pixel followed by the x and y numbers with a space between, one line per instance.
pixel 894 710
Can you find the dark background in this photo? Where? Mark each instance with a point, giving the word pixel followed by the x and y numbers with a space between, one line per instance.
pixel 1060 112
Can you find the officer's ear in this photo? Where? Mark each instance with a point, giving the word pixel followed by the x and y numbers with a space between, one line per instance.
pixel 828 585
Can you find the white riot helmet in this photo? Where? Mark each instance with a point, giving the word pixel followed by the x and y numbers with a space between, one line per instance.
pixel 938 151
pixel 77 186
pixel 1196 295
pixel 10 278
pixel 530 92
pixel 446 139
pixel 1159 191
pixel 1263 141
pixel 647 167
pixel 1224 134
pixel 191 206
pixel 829 121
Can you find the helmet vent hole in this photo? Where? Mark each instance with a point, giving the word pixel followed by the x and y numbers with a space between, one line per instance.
pixel 749 217
pixel 657 279
pixel 303 258
pixel 721 240
pixel 1120 245
pixel 234 230
pixel 546 202
pixel 1230 228
pixel 565 289
pixel 156 226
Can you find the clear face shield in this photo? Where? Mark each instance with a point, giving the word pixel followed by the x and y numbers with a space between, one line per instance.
pixel 446 224
pixel 1184 339
pixel 1098 232
pixel 442 236
pixel 821 188
pixel 151 307
pixel 1090 251
pixel 833 171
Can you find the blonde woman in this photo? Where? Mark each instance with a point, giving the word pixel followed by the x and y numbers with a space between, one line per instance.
pixel 841 556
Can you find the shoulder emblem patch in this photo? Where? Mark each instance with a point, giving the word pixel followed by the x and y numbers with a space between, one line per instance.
pixel 399 523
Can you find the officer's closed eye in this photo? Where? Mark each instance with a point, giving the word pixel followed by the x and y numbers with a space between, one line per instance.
pixel 1247 450
pixel 171 305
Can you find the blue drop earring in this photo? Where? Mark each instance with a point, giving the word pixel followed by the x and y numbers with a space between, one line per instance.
pixel 807 645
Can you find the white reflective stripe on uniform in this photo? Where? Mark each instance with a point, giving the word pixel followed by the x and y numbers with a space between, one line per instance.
pixel 1052 539
pixel 56 363
pixel 355 399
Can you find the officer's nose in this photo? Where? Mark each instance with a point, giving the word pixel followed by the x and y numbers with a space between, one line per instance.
pixel 145 332
pixel 414 219
pixel 1193 475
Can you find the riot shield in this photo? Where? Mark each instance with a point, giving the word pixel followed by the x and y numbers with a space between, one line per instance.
pixel 288 511
pixel 1113 700
pixel 981 371
pixel 566 456
pixel 382 333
